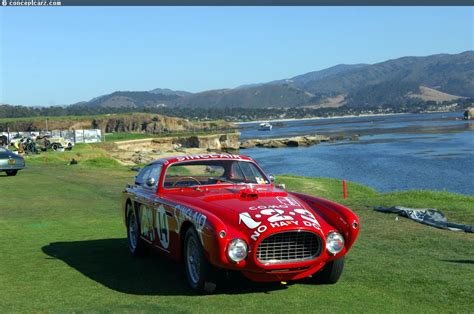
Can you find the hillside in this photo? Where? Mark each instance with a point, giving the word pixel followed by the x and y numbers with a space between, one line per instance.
pixel 393 82
pixel 403 82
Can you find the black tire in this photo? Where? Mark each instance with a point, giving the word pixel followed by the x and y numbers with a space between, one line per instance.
pixel 330 273
pixel 202 276
pixel 55 146
pixel 11 172
pixel 136 246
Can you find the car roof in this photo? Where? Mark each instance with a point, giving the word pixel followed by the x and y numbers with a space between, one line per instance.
pixel 216 156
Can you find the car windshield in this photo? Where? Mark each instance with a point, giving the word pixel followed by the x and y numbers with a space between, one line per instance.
pixel 213 172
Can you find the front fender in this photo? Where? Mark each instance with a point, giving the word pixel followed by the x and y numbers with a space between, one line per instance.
pixel 341 217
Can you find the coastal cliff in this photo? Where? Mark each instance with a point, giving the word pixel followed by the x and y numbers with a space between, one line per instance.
pixel 146 150
pixel 131 123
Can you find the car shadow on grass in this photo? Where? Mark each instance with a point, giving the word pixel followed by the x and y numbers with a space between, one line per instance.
pixel 108 262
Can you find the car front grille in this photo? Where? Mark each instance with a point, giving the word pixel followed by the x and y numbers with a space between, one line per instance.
pixel 289 247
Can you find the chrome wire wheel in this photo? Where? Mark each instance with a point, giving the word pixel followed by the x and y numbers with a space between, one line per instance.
pixel 132 231
pixel 193 261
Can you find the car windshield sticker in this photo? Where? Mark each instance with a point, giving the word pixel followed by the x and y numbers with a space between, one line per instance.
pixel 260 180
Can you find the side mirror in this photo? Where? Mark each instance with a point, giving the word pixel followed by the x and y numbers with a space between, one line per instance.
pixel 150 182
pixel 272 178
pixel 281 186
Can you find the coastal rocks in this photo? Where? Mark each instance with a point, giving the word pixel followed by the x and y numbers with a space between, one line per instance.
pixel 285 142
pixel 215 142
pixel 143 151
pixel 229 141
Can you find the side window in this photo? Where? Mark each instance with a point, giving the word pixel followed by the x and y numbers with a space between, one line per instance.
pixel 154 173
pixel 143 175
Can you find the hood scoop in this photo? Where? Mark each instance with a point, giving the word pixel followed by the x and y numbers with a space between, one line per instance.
pixel 248 194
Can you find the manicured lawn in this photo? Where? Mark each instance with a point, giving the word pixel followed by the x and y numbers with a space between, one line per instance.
pixel 63 248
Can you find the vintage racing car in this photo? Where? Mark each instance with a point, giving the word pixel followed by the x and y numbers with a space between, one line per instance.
pixel 222 212
pixel 10 162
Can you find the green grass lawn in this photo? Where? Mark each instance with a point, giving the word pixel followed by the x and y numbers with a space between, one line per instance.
pixel 63 249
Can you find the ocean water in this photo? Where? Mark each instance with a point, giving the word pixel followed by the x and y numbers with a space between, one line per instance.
pixel 397 152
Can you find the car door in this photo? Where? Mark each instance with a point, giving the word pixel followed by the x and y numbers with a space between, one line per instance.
pixel 154 215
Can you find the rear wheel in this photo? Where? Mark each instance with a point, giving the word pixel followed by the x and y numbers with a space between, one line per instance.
pixel 331 272
pixel 135 243
pixel 201 275
pixel 55 146
pixel 11 172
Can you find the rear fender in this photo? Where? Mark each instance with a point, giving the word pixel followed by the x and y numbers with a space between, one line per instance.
pixel 344 219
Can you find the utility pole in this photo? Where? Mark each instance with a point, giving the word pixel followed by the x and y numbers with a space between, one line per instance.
pixel 46 125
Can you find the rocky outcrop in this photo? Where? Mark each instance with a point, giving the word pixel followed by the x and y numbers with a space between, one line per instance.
pixel 285 142
pixel 214 142
pixel 133 123
pixel 145 150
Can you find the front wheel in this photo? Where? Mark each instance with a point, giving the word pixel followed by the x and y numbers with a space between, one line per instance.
pixel 55 146
pixel 330 273
pixel 202 276
pixel 135 243
pixel 11 172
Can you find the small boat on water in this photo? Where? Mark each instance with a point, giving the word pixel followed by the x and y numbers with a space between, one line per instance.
pixel 265 126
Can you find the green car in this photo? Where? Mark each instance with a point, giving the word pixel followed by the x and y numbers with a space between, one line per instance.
pixel 10 162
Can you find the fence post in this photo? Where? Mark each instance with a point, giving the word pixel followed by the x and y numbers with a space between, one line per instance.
pixel 344 188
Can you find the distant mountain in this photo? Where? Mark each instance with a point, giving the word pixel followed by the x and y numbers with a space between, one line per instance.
pixel 301 80
pixel 167 91
pixel 394 82
pixel 131 99
pixel 452 74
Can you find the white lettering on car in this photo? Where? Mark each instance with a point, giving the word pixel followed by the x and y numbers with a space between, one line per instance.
pixel 261 229
pixel 248 221
pixel 162 227
pixel 277 216
pixel 146 223
pixel 207 156
pixel 183 213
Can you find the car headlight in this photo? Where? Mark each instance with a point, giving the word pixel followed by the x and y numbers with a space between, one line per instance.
pixel 237 250
pixel 334 242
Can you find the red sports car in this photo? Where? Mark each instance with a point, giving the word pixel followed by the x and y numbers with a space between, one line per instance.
pixel 222 212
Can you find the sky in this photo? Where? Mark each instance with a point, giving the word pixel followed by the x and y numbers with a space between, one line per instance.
pixel 63 55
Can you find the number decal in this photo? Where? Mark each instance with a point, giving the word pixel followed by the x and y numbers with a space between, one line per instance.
pixel 162 227
pixel 146 223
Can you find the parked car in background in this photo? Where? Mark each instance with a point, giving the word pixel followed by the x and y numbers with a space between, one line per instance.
pixel 220 212
pixel 55 143
pixel 10 162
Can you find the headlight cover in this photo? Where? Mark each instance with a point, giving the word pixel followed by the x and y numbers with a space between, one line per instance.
pixel 334 242
pixel 237 250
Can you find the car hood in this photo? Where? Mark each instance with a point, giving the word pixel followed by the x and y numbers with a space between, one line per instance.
pixel 253 211
pixel 7 154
